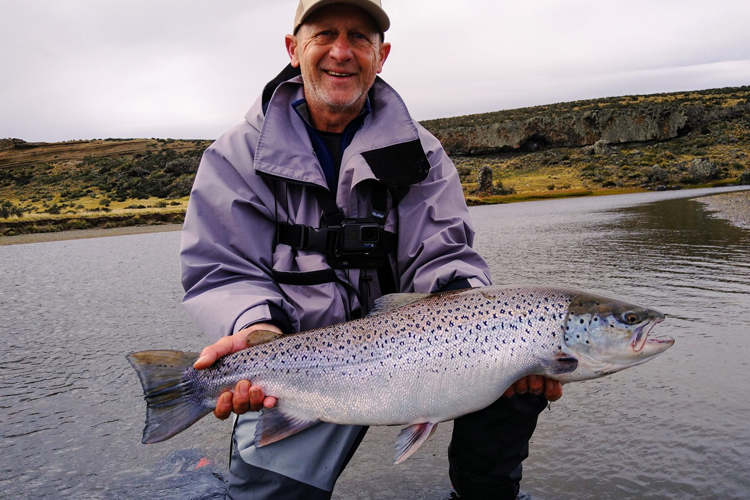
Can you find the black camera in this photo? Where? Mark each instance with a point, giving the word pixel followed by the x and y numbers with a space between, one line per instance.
pixel 359 236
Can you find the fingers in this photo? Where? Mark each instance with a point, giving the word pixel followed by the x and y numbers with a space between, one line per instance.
pixel 552 390
pixel 224 406
pixel 241 398
pixel 536 384
pixel 256 398
pixel 222 347
pixel 522 385
pixel 209 354
pixel 269 402
pixel 244 398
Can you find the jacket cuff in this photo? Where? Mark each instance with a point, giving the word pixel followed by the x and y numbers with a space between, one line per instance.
pixel 267 313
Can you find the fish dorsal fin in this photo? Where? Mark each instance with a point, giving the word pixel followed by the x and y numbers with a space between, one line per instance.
pixel 395 300
pixel 258 337
pixel 411 438
pixel 275 425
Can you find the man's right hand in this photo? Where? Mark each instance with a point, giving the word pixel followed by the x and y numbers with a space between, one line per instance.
pixel 245 397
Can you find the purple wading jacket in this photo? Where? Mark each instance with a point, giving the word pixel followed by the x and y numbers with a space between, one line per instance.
pixel 228 238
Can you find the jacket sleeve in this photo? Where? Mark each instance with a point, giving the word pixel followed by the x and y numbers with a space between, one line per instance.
pixel 227 245
pixel 435 233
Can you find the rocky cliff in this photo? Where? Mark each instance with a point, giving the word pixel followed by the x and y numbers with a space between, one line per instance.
pixel 615 120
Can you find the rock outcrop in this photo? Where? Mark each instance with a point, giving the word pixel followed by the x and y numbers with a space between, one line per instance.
pixel 596 123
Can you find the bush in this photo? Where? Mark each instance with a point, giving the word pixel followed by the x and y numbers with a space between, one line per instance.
pixel 657 174
pixel 745 177
pixel 703 169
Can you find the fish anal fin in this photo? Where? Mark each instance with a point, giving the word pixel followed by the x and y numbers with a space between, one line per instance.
pixel 275 425
pixel 258 337
pixel 559 364
pixel 411 438
pixel 395 300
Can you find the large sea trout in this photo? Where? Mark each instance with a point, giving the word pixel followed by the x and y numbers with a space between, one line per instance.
pixel 417 360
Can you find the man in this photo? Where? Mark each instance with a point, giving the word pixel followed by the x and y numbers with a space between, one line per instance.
pixel 329 137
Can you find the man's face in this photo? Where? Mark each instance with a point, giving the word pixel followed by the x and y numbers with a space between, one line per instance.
pixel 339 52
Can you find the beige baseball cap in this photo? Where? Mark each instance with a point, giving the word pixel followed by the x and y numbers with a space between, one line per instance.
pixel 372 7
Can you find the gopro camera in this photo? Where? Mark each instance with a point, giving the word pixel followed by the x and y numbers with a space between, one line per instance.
pixel 359 236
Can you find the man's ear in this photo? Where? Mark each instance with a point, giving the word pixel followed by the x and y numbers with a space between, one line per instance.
pixel 291 49
pixel 385 49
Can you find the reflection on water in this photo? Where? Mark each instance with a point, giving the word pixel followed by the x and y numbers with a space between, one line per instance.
pixel 72 412
pixel 674 427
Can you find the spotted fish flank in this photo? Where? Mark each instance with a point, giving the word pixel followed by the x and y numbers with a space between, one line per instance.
pixel 417 360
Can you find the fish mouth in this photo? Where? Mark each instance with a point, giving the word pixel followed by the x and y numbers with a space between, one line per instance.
pixel 640 338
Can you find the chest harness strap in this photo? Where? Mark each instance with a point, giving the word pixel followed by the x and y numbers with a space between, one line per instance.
pixel 347 243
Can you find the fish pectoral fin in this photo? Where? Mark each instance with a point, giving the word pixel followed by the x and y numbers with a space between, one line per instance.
pixel 559 364
pixel 258 337
pixel 275 425
pixel 395 300
pixel 411 438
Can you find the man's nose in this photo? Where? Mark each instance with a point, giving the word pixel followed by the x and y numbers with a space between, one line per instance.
pixel 341 49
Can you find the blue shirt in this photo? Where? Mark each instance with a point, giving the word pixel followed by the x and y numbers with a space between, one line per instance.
pixel 330 161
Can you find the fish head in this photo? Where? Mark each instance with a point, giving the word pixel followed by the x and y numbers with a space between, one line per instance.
pixel 609 335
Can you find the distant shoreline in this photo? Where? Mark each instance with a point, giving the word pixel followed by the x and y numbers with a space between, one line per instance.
pixel 80 234
pixel 733 206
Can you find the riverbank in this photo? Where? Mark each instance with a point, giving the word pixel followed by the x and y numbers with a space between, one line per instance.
pixel 734 207
pixel 80 234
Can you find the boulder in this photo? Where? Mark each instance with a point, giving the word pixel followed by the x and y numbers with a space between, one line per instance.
pixel 657 174
pixel 602 147
pixel 703 169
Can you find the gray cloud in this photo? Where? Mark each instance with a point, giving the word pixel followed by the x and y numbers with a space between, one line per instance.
pixel 136 68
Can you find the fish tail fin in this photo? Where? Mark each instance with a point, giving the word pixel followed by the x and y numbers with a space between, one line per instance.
pixel 172 405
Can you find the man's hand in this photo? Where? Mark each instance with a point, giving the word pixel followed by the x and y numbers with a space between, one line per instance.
pixel 245 396
pixel 535 384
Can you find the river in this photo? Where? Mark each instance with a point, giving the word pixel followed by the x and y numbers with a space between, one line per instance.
pixel 72 412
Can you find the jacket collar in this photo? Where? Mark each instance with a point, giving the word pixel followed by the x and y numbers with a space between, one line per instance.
pixel 284 148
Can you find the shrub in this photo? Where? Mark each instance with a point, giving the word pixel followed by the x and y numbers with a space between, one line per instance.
pixel 703 169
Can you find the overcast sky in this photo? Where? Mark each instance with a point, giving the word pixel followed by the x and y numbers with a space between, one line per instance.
pixel 84 69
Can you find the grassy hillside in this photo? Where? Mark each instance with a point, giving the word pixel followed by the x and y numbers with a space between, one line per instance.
pixel 115 182
pixel 81 184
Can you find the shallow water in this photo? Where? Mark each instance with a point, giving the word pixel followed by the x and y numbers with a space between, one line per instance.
pixel 72 412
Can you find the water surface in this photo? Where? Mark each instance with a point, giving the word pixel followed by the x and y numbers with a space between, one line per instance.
pixel 72 411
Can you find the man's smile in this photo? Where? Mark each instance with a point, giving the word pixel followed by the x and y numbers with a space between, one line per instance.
pixel 337 74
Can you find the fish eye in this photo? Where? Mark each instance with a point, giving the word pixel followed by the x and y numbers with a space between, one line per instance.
pixel 631 318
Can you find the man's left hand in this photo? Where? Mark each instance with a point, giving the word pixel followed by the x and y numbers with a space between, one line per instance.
pixel 536 384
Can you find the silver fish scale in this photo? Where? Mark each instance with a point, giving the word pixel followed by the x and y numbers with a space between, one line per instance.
pixel 412 364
